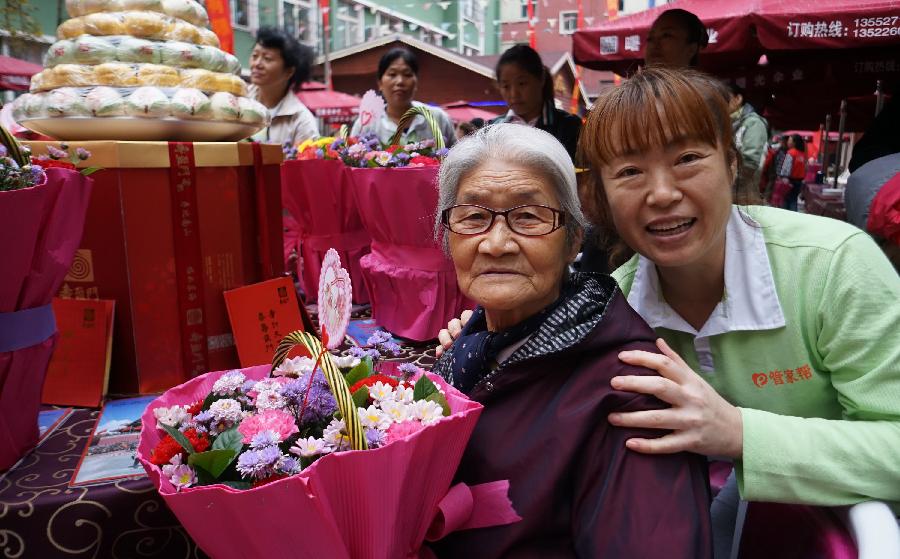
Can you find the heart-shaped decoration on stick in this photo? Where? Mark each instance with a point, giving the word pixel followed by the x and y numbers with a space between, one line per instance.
pixel 371 109
pixel 335 293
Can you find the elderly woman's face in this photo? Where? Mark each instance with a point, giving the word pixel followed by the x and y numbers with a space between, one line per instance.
pixel 672 203
pixel 512 276
pixel 267 67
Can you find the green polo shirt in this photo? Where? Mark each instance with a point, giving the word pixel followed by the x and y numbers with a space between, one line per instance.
pixel 819 388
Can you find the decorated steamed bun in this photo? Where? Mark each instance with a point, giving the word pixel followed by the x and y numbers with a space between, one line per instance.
pixel 225 106
pixel 252 112
pixel 104 24
pixel 65 101
pixel 35 106
pixel 179 54
pixel 187 10
pixel 207 37
pixel 117 74
pixel 93 50
pixel 132 49
pixel 104 101
pixel 60 52
pixel 145 24
pixel 159 75
pixel 232 64
pixel 70 75
pixel 143 5
pixel 149 102
pixel 191 104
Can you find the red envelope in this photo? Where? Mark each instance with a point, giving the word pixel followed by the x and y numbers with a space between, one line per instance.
pixel 78 374
pixel 261 315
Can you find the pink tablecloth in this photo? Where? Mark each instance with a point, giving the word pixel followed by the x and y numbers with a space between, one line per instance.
pixel 412 284
pixel 319 195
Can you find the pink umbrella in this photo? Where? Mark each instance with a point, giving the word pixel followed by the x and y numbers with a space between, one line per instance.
pixel 460 111
pixel 16 74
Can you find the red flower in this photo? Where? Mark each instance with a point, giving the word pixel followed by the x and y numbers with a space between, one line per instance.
pixel 421 160
pixel 195 407
pixel 260 482
pixel 393 148
pixel 200 441
pixel 48 163
pixel 331 154
pixel 165 450
pixel 370 381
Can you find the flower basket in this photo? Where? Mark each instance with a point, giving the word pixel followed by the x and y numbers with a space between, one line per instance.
pixel 41 226
pixel 377 503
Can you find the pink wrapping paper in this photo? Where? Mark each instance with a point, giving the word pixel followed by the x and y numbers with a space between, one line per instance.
pixel 319 196
pixel 41 228
pixel 412 284
pixel 362 504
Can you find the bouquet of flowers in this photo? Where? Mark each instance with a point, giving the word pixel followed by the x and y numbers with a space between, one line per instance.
pixel 324 443
pixel 366 151
pixel 42 213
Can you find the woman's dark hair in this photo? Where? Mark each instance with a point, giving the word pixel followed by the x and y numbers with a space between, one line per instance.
pixel 295 55
pixel 799 144
pixel 478 122
pixel 696 31
pixel 399 52
pixel 529 60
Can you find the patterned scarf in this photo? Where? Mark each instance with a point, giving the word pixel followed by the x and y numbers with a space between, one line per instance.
pixel 476 349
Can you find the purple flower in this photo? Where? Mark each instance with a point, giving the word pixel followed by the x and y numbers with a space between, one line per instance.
pixel 203 417
pixel 320 404
pixel 358 352
pixel 264 438
pixel 248 386
pixel 3 151
pixel 391 347
pixel 320 153
pixel 56 153
pixel 408 369
pixel 442 152
pixel 288 465
pixel 378 337
pixel 374 437
pixel 82 153
pixel 259 463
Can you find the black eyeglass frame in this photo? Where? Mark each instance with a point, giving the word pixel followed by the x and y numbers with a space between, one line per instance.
pixel 559 218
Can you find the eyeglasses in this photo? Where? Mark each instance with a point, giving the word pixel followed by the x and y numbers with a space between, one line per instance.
pixel 530 220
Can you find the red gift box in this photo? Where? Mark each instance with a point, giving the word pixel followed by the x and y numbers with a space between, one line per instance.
pixel 170 226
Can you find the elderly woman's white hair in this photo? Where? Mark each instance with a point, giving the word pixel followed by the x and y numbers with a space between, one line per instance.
pixel 513 143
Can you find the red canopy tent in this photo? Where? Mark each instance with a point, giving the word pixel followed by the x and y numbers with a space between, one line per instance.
pixel 16 74
pixel 334 107
pixel 740 31
pixel 817 52
pixel 460 111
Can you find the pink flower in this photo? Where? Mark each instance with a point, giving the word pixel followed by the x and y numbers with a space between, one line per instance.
pixel 278 421
pixel 402 430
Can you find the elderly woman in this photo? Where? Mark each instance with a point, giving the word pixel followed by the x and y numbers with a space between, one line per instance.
pixel 539 353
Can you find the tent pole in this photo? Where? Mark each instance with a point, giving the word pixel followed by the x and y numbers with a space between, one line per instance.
pixel 879 97
pixel 823 153
pixel 839 152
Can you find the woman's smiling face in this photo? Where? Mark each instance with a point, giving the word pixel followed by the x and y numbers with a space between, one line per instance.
pixel 671 203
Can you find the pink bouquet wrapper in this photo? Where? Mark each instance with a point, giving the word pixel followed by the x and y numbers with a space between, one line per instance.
pixel 379 503
pixel 41 227
pixel 319 196
pixel 411 282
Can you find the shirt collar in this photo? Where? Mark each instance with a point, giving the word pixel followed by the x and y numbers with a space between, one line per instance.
pixel 750 301
pixel 288 106
pixel 513 117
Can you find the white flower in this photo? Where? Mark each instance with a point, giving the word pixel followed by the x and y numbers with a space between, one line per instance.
pixel 396 411
pixel 335 435
pixel 374 418
pixel 267 384
pixel 173 417
pixel 183 476
pixel 308 447
pixel 169 468
pixel 226 409
pixel 270 400
pixel 427 412
pixel 381 391
pixel 404 394
pixel 345 361
pixel 295 366
pixel 229 382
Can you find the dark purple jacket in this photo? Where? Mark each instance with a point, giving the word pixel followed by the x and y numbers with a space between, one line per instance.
pixel 579 491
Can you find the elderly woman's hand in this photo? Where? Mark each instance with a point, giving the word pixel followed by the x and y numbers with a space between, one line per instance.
pixel 454 327
pixel 700 419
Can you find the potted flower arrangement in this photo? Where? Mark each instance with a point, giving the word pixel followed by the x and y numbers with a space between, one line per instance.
pixel 314 456
pixel 43 202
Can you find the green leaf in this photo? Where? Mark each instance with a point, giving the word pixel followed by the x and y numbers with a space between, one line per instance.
pixel 213 461
pixel 88 171
pixel 203 477
pixel 179 438
pixel 361 397
pixel 237 484
pixel 424 388
pixel 230 439
pixel 358 373
pixel 439 398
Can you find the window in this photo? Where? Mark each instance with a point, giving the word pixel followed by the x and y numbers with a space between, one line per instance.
pixel 298 19
pixel 524 11
pixel 348 28
pixel 568 22
pixel 240 13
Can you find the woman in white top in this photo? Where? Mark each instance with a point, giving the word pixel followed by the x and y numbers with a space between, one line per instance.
pixel 398 77
pixel 278 66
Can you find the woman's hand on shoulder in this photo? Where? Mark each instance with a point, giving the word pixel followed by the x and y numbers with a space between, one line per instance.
pixel 701 420
pixel 448 335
